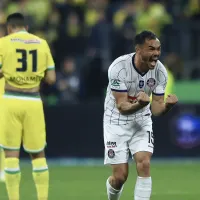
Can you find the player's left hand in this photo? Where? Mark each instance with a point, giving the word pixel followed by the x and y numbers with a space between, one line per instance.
pixel 171 100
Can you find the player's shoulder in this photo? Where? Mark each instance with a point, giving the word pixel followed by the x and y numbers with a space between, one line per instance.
pixel 121 61
pixel 161 72
pixel 37 38
pixel 25 38
pixel 160 67
pixel 3 39
pixel 4 42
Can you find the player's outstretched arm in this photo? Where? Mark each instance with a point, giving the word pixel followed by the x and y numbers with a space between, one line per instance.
pixel 124 106
pixel 159 107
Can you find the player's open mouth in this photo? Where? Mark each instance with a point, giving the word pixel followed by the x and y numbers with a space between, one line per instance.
pixel 153 61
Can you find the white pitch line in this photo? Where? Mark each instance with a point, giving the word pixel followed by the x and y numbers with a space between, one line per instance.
pixel 175 192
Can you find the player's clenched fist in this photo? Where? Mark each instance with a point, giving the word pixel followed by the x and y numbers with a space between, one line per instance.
pixel 143 99
pixel 171 100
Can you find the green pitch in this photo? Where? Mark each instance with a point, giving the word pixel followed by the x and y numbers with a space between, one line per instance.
pixel 170 182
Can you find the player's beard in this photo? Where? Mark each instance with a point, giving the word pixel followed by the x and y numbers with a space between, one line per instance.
pixel 145 62
pixel 149 61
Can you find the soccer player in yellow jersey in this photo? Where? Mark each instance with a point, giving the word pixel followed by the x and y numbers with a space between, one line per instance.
pixel 2 157
pixel 25 60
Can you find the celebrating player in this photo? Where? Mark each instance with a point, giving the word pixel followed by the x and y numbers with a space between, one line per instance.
pixel 25 61
pixel 127 117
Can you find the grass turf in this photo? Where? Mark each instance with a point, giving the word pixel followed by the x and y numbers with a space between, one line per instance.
pixel 170 181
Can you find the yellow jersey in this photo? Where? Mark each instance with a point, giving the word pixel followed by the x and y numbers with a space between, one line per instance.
pixel 24 58
pixel 2 83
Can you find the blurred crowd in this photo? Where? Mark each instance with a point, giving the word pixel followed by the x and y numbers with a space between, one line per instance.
pixel 86 35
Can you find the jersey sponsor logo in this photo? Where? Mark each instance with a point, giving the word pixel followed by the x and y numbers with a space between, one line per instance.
pixel 141 84
pixel 115 82
pixel 111 144
pixel 151 82
pixel 111 153
pixel 25 79
pixel 28 41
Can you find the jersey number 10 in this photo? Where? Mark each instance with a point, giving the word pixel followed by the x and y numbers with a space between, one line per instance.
pixel 23 60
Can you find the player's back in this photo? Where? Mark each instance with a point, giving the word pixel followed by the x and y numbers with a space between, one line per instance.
pixel 25 57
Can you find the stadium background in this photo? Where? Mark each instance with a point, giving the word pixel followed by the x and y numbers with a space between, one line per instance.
pixel 85 36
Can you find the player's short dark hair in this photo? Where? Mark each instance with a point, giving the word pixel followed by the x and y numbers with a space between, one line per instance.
pixel 16 20
pixel 143 36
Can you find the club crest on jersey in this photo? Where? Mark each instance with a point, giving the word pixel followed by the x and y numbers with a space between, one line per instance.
pixel 141 84
pixel 151 82
pixel 111 153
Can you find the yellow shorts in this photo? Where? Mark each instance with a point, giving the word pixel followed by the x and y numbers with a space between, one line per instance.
pixel 23 122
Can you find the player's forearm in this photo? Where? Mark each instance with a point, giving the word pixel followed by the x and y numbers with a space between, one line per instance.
pixel 158 109
pixel 127 108
pixel 50 77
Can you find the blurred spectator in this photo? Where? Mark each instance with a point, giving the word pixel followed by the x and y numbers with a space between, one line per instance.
pixel 124 29
pixel 174 65
pixel 2 17
pixel 192 9
pixel 127 11
pixel 68 82
pixel 94 11
pixel 31 8
pixel 2 31
pixel 73 27
pixel 151 16
pixel 95 42
pixel 71 39
pixel 52 23
pixel 123 41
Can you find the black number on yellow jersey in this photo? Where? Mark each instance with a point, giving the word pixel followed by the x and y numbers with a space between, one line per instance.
pixel 23 60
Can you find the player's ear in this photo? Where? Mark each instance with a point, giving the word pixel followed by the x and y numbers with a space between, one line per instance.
pixel 137 48
pixel 9 29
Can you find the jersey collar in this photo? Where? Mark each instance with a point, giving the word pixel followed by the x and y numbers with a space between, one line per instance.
pixel 22 31
pixel 133 63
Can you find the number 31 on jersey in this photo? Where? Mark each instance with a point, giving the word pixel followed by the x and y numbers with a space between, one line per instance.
pixel 24 60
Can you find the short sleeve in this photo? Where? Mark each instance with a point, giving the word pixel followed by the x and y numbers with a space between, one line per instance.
pixel 50 61
pixel 162 78
pixel 117 76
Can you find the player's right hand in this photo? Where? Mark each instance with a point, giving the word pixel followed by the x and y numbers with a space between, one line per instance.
pixel 143 99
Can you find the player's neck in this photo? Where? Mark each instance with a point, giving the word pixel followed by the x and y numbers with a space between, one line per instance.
pixel 19 30
pixel 141 66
